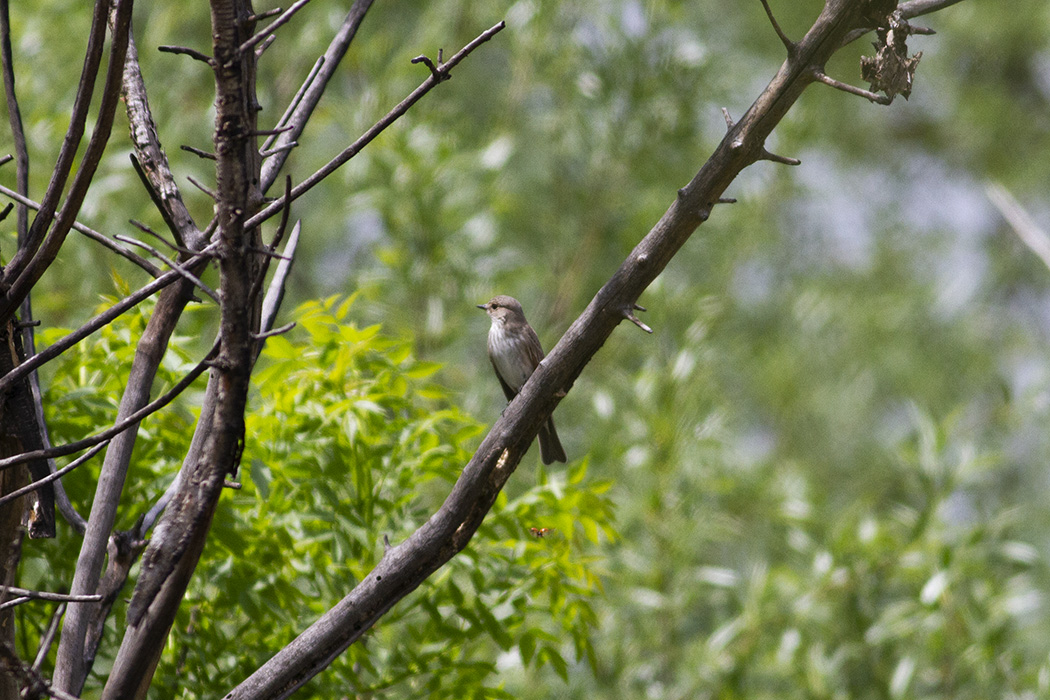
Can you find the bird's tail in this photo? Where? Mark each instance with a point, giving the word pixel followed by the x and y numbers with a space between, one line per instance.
pixel 550 446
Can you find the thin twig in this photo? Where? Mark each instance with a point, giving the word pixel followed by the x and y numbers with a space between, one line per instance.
pixel 281 228
pixel 200 186
pixel 54 476
pixel 103 319
pixel 628 313
pixel 296 99
pixel 198 152
pixel 1030 233
pixel 174 246
pixel 266 153
pixel 790 45
pixel 267 43
pixel 107 434
pixel 187 51
pixel 273 26
pixel 275 292
pixel 47 595
pixel 729 119
pixel 192 278
pixel 786 160
pixel 376 129
pixel 272 332
pixel 91 233
pixel 821 76
pixel 49 636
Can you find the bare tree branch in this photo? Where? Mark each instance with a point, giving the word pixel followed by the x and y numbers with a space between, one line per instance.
pixel 302 105
pixel 187 51
pixel 49 205
pixel 23 273
pixel 91 233
pixel 189 276
pixel 393 115
pixel 103 319
pixel 119 427
pixel 14 117
pixel 49 636
pixel 273 26
pixel 172 555
pixel 46 595
pixel 54 476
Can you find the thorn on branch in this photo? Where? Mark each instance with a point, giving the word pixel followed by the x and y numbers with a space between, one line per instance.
pixel 6 159
pixel 202 188
pixel 726 200
pixel 628 313
pixel 273 26
pixel 264 15
pixel 267 43
pixel 386 544
pixel 766 155
pixel 274 331
pixel 7 210
pixel 439 76
pixel 729 119
pixel 235 485
pixel 187 51
pixel 271 132
pixel 790 45
pixel 266 153
pixel 27 324
pixel 269 253
pixel 198 152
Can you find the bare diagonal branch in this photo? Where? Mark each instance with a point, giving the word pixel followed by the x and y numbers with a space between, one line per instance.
pixel 21 279
pixel 440 75
pixel 306 100
pixel 119 427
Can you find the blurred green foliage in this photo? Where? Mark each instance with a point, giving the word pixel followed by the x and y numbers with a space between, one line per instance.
pixel 827 463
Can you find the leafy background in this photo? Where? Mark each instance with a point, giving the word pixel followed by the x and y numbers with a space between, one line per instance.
pixel 822 476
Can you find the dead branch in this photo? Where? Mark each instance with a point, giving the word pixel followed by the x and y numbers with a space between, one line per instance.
pixel 273 26
pixel 393 115
pixel 56 475
pixel 302 106
pixel 26 269
pixel 119 427
pixel 103 319
pixel 46 595
pixel 91 233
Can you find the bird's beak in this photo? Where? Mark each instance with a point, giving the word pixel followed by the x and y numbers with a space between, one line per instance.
pixel 483 307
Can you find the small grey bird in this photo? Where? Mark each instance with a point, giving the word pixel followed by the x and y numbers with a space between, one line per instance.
pixel 515 351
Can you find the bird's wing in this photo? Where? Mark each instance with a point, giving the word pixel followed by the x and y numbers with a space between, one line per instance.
pixel 507 391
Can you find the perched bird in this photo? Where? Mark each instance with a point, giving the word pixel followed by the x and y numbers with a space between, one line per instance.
pixel 515 351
